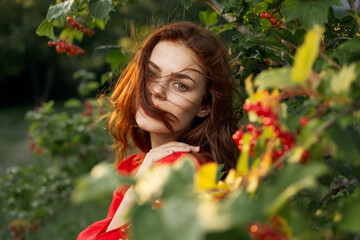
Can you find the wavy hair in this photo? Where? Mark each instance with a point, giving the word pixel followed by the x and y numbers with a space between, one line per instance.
pixel 212 133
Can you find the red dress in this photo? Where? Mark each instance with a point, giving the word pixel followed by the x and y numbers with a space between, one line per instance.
pixel 97 231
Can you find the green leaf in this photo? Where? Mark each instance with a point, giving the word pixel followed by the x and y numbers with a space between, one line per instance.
pixel 286 35
pixel 288 181
pixel 177 220
pixel 100 24
pixel 274 78
pixel 59 10
pixel 187 3
pixel 350 212
pixel 72 103
pixel 46 29
pixel 84 74
pixel 106 77
pixel 100 9
pixel 310 13
pixel 208 17
pixel 116 59
pixel 349 50
pixel 341 82
pixel 102 51
pixel 69 35
pixel 347 142
pixel 267 42
pixel 100 183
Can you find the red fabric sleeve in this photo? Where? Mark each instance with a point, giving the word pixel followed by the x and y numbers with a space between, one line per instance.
pixel 96 231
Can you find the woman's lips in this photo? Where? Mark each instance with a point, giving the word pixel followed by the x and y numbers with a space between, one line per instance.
pixel 146 113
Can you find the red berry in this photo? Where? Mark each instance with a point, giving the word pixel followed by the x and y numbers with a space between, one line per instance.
pixel 303 121
pixel 250 127
pixel 272 20
pixel 305 154
pixel 247 107
pixel 262 15
pixel 267 61
pixel 267 15
pixel 266 111
pixel 237 136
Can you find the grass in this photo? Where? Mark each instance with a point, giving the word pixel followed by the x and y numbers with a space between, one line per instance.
pixel 71 219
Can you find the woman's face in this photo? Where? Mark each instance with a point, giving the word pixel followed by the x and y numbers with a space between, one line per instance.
pixel 176 83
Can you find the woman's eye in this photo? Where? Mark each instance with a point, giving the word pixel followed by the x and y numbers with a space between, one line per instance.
pixel 151 73
pixel 181 86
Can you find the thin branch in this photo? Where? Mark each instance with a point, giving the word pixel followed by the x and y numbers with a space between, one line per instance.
pixel 335 191
pixel 230 19
pixel 332 62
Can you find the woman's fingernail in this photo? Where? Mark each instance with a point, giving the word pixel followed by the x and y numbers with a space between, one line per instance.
pixel 197 148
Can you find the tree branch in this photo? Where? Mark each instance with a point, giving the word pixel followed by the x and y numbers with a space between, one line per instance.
pixel 230 19
pixel 335 191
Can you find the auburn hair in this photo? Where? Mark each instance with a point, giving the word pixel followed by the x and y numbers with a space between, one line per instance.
pixel 212 133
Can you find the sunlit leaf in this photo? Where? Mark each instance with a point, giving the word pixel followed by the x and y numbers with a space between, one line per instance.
pixel 205 178
pixel 341 82
pixel 100 182
pixel 243 162
pixel 208 17
pixel 274 78
pixel 46 29
pixel 59 10
pixel 72 103
pixel 306 55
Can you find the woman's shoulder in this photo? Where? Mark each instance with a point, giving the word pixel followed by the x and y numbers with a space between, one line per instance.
pixel 178 156
pixel 129 164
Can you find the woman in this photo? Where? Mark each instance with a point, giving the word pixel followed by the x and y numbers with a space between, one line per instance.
pixel 173 99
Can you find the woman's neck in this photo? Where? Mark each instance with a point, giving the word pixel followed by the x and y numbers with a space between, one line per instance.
pixel 158 139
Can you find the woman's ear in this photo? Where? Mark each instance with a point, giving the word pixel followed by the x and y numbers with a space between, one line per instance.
pixel 203 111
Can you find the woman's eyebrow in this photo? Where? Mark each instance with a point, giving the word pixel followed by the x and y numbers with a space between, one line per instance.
pixel 177 74
pixel 183 76
pixel 157 68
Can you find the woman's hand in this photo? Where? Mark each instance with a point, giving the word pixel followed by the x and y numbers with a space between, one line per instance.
pixel 150 159
pixel 162 151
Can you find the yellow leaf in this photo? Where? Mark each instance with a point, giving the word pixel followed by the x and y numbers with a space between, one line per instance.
pixel 306 55
pixel 243 162
pixel 206 177
pixel 249 86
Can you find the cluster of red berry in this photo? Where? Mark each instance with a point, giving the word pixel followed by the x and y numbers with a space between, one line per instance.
pixel 62 47
pixel 291 47
pixel 274 21
pixel 265 232
pixel 268 119
pixel 33 147
pixel 75 24
pixel 89 110
pixel 19 228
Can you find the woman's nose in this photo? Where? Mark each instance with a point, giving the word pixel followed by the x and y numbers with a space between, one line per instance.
pixel 158 90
